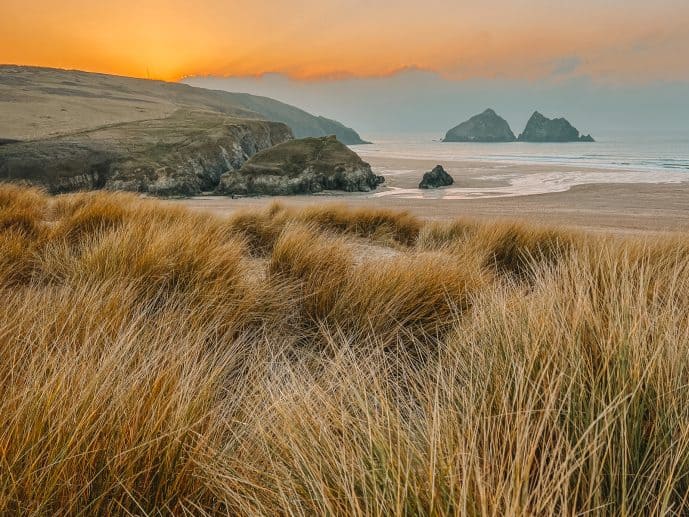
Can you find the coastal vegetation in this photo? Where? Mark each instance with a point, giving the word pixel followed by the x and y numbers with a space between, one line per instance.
pixel 335 361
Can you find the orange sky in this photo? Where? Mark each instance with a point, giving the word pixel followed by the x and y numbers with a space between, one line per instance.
pixel 606 39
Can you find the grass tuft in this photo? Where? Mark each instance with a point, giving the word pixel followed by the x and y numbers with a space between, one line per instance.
pixel 378 224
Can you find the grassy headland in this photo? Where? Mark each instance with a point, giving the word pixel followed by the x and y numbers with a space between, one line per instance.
pixel 335 361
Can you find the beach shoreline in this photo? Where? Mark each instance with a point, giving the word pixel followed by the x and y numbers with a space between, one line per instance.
pixel 606 205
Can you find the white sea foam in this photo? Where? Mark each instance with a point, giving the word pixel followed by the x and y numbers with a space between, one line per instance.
pixel 538 183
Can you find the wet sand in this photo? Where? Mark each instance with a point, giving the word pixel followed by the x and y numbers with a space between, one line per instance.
pixel 602 200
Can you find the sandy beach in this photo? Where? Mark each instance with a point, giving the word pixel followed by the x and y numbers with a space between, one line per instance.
pixel 595 199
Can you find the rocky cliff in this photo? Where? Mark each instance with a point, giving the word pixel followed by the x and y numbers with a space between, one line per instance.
pixel 180 155
pixel 436 178
pixel 301 166
pixel 484 127
pixel 69 130
pixel 542 129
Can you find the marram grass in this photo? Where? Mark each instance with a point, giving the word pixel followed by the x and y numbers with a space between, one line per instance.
pixel 335 362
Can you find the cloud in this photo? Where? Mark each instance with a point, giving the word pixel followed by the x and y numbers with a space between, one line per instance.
pixel 566 65
pixel 332 40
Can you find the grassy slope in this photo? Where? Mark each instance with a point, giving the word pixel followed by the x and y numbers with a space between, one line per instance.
pixel 157 360
pixel 43 102
pixel 303 124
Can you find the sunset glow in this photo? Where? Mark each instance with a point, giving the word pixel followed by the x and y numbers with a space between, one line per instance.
pixel 305 39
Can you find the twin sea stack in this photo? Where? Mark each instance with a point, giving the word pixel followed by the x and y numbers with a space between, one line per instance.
pixel 485 127
pixel 490 127
pixel 543 129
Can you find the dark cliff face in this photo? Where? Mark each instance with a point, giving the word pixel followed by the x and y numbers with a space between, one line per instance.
pixel 181 155
pixel 543 129
pixel 301 166
pixel 485 127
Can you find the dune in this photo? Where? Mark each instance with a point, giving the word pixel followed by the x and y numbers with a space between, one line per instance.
pixel 332 360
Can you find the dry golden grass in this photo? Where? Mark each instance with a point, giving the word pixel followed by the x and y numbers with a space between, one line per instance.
pixel 378 224
pixel 157 361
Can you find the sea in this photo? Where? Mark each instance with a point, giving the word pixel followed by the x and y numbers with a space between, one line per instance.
pixel 611 159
